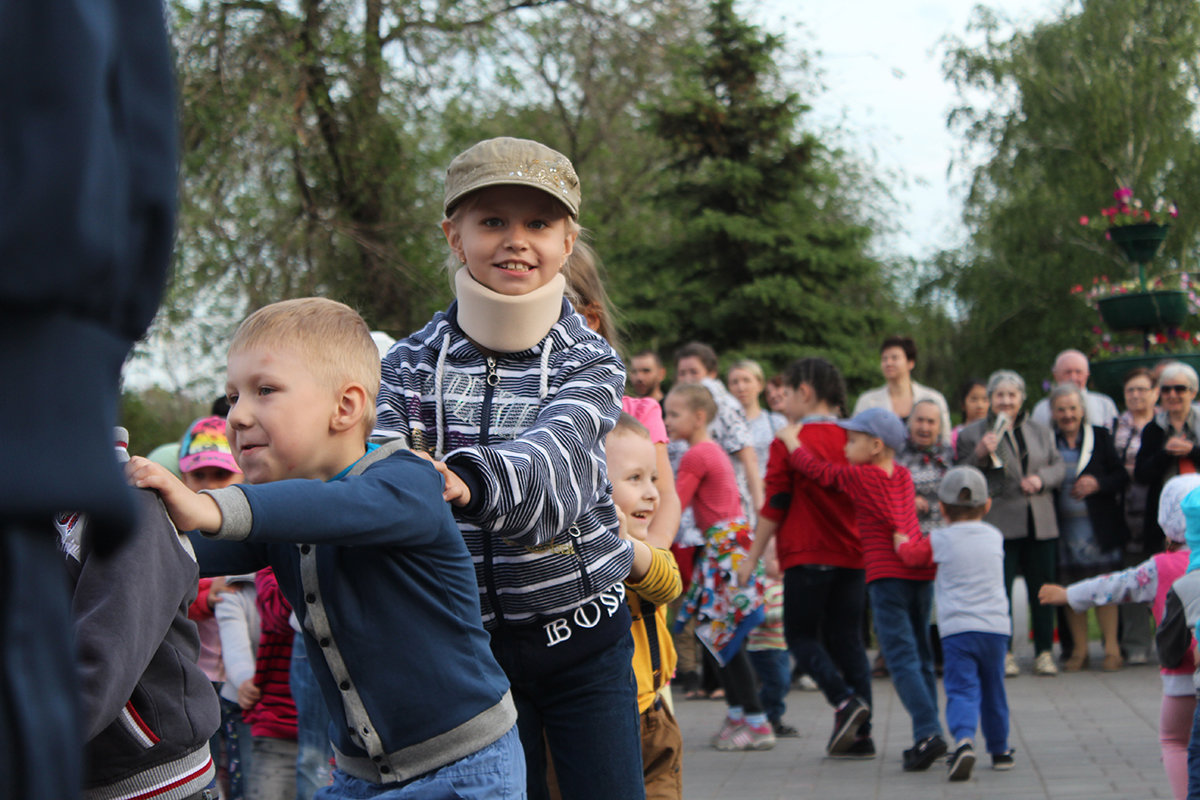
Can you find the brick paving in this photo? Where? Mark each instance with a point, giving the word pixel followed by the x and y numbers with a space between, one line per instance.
pixel 1087 734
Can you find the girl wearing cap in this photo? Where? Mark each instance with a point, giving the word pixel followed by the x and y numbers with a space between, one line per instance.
pixel 1148 583
pixel 511 393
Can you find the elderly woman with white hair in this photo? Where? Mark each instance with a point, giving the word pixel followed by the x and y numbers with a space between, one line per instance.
pixel 1169 443
pixel 1148 583
pixel 1091 528
pixel 1023 468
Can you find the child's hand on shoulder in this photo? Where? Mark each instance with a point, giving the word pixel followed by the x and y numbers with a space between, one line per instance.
pixel 187 509
pixel 456 491
pixel 790 435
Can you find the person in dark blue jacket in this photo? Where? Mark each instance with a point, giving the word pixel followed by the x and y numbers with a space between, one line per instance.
pixel 87 211
pixel 367 553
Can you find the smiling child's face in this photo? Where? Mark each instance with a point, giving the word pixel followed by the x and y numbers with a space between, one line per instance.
pixel 513 239
pixel 633 472
pixel 280 416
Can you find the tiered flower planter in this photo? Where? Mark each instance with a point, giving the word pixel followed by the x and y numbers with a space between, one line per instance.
pixel 1166 308
pixel 1145 311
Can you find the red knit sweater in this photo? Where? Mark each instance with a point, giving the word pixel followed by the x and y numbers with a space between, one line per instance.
pixel 707 483
pixel 883 504
pixel 274 715
pixel 816 524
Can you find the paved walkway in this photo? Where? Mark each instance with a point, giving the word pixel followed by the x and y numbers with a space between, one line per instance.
pixel 1087 734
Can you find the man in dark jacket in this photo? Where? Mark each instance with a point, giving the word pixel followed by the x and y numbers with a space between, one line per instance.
pixel 87 204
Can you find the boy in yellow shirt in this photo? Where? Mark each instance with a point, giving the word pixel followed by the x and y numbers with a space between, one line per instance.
pixel 654 581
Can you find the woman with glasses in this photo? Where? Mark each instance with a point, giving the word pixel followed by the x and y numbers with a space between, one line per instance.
pixel 1169 443
pixel 1141 397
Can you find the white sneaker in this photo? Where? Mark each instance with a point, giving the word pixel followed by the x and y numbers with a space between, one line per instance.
pixel 806 684
pixel 1011 668
pixel 1044 664
pixel 723 736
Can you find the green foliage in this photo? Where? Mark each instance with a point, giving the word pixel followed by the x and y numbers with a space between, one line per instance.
pixel 157 417
pixel 763 259
pixel 1064 114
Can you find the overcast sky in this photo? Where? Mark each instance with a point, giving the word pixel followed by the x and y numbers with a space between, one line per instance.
pixel 881 61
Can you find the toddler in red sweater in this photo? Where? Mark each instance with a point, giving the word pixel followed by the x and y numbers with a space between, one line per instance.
pixel 901 596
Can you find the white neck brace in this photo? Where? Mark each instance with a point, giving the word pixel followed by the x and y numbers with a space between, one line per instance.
pixel 507 323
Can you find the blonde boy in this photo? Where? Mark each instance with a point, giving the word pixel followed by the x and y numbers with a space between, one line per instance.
pixel 381 580
pixel 654 581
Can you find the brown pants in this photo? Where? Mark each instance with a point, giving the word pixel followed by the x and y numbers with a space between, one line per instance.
pixel 662 753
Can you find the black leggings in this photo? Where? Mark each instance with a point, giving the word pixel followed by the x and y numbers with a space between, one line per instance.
pixel 741 684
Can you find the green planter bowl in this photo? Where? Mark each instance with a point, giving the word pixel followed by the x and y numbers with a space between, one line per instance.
pixel 1108 375
pixel 1140 242
pixel 1165 308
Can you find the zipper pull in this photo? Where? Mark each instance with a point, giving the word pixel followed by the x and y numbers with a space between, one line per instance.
pixel 493 377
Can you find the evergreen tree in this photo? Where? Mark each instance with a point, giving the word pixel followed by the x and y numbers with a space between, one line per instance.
pixel 762 257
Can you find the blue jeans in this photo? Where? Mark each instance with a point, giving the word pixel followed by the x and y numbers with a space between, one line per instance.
pixel 497 772
pixel 823 610
pixel 585 712
pixel 312 726
pixel 774 669
pixel 901 610
pixel 238 747
pixel 974 679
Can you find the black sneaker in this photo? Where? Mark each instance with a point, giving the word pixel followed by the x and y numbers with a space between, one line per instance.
pixel 1003 761
pixel 960 762
pixel 924 753
pixel 846 723
pixel 860 749
pixel 784 730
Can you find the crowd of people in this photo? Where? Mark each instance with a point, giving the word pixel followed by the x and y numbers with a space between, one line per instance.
pixel 474 564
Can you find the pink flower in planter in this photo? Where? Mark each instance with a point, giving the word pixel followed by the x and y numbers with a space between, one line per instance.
pixel 1124 193
pixel 1083 220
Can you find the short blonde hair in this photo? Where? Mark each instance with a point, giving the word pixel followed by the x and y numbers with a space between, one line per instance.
pixel 697 398
pixel 332 338
pixel 748 365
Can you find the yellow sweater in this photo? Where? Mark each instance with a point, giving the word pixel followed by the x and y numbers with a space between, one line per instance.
pixel 660 586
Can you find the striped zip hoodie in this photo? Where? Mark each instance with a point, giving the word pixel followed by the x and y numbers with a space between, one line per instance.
pixel 525 430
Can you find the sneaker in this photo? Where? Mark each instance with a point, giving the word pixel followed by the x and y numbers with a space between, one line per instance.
pixel 805 683
pixel 1044 664
pixel 726 732
pixel 846 722
pixel 1011 668
pixel 1003 761
pixel 860 749
pixel 783 730
pixel 922 755
pixel 960 762
pixel 748 737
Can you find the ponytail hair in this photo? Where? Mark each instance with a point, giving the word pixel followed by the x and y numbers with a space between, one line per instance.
pixel 823 377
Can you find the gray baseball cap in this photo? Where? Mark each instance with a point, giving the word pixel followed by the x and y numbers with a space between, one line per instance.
pixel 505 161
pixel 963 486
pixel 880 423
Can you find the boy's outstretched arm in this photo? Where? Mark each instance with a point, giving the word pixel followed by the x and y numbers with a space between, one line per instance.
pixel 188 510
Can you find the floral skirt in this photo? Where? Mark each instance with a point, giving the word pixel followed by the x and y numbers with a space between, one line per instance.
pixel 725 613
